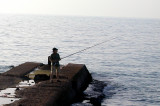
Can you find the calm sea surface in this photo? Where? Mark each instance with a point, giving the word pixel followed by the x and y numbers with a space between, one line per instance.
pixel 129 65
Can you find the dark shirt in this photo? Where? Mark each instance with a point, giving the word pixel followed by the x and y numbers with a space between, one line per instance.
pixel 55 58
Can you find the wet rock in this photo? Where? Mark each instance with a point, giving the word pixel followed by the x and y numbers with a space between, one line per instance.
pixel 95 101
pixel 17 89
pixel 12 66
pixel 94 95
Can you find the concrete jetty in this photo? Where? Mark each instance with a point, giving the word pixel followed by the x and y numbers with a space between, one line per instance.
pixel 74 79
pixel 23 69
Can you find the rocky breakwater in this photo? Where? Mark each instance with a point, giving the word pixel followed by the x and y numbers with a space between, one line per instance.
pixel 74 79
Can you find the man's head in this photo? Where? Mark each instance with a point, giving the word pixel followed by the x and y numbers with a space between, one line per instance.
pixel 55 50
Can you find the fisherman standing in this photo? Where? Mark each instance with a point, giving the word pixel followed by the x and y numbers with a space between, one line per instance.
pixel 54 60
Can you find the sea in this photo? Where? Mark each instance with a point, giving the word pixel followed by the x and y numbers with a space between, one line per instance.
pixel 125 68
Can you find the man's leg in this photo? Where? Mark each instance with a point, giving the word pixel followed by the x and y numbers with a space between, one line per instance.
pixel 53 69
pixel 57 72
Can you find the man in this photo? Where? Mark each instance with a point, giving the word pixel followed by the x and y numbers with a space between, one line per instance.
pixel 54 59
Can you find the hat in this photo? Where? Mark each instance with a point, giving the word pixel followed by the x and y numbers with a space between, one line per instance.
pixel 54 49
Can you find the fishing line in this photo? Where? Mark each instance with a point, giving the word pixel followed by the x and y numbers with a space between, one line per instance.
pixel 88 48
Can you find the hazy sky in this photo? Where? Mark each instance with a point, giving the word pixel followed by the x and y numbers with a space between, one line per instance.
pixel 109 8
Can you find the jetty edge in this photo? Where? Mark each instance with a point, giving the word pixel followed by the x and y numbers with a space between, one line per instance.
pixel 74 79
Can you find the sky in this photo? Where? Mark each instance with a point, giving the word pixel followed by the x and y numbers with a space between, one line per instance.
pixel 107 8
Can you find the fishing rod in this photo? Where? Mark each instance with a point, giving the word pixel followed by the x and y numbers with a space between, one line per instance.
pixel 88 48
